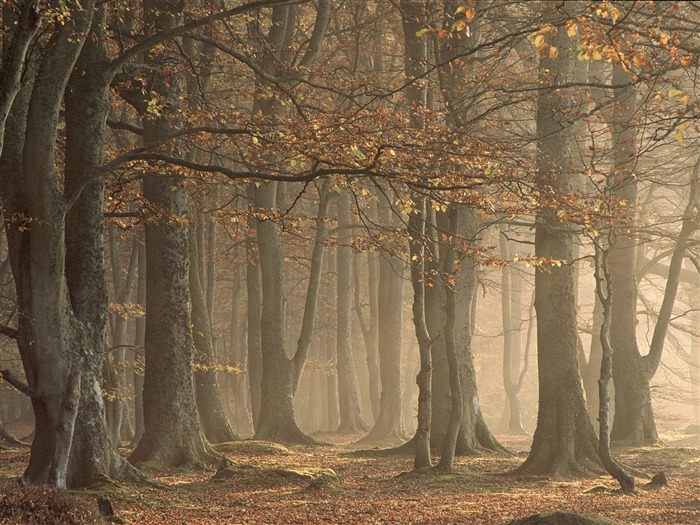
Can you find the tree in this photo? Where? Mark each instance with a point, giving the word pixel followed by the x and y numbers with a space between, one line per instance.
pixel 564 441
pixel 24 18
pixel 278 373
pixel 62 328
pixel 172 433
pixel 604 293
pixel 351 420
pixel 216 427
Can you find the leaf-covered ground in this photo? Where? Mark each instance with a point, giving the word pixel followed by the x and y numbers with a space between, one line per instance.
pixel 276 485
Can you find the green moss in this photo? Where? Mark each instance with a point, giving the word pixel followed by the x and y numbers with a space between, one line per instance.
pixel 252 448
pixel 252 474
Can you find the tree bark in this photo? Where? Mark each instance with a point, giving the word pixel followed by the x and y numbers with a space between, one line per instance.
pixel 604 294
pixel 564 442
pixel 216 427
pixel 253 290
pixel 351 420
pixel 511 295
pixel 172 433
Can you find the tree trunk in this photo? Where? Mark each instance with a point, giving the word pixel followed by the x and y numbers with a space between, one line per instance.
pixel 24 24
pixel 604 293
pixel 172 433
pixel 114 366
pixel 140 345
pixel 279 373
pixel 454 84
pixel 369 326
pixel 332 414
pixel 634 417
pixel 238 395
pixel 564 442
pixel 511 295
pixel 211 411
pixel 457 403
pixel 254 294
pixel 277 420
pixel 71 446
pixel 351 420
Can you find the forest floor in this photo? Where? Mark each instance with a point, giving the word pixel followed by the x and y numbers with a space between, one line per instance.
pixel 376 488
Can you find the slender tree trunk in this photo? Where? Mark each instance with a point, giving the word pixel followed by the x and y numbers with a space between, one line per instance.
pixel 634 418
pixel 604 294
pixel 511 295
pixel 253 289
pixel 211 411
pixel 139 344
pixel 237 356
pixel 457 405
pixel 114 366
pixel 694 358
pixel 369 326
pixel 351 420
pixel 332 417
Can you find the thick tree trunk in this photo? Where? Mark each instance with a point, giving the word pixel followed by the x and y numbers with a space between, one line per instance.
pixel 279 373
pixel 564 442
pixel 71 446
pixel 172 433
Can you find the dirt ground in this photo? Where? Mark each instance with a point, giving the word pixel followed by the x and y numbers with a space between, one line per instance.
pixel 374 488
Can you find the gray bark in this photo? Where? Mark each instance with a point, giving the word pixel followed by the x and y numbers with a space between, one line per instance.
pixel 604 293
pixel 172 433
pixel 24 24
pixel 351 420
pixel 254 293
pixel 216 427
pixel 511 294
pixel 564 442
pixel 389 425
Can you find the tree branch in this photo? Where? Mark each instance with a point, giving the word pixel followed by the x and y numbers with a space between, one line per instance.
pixel 19 385
pixel 8 331
pixel 156 39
